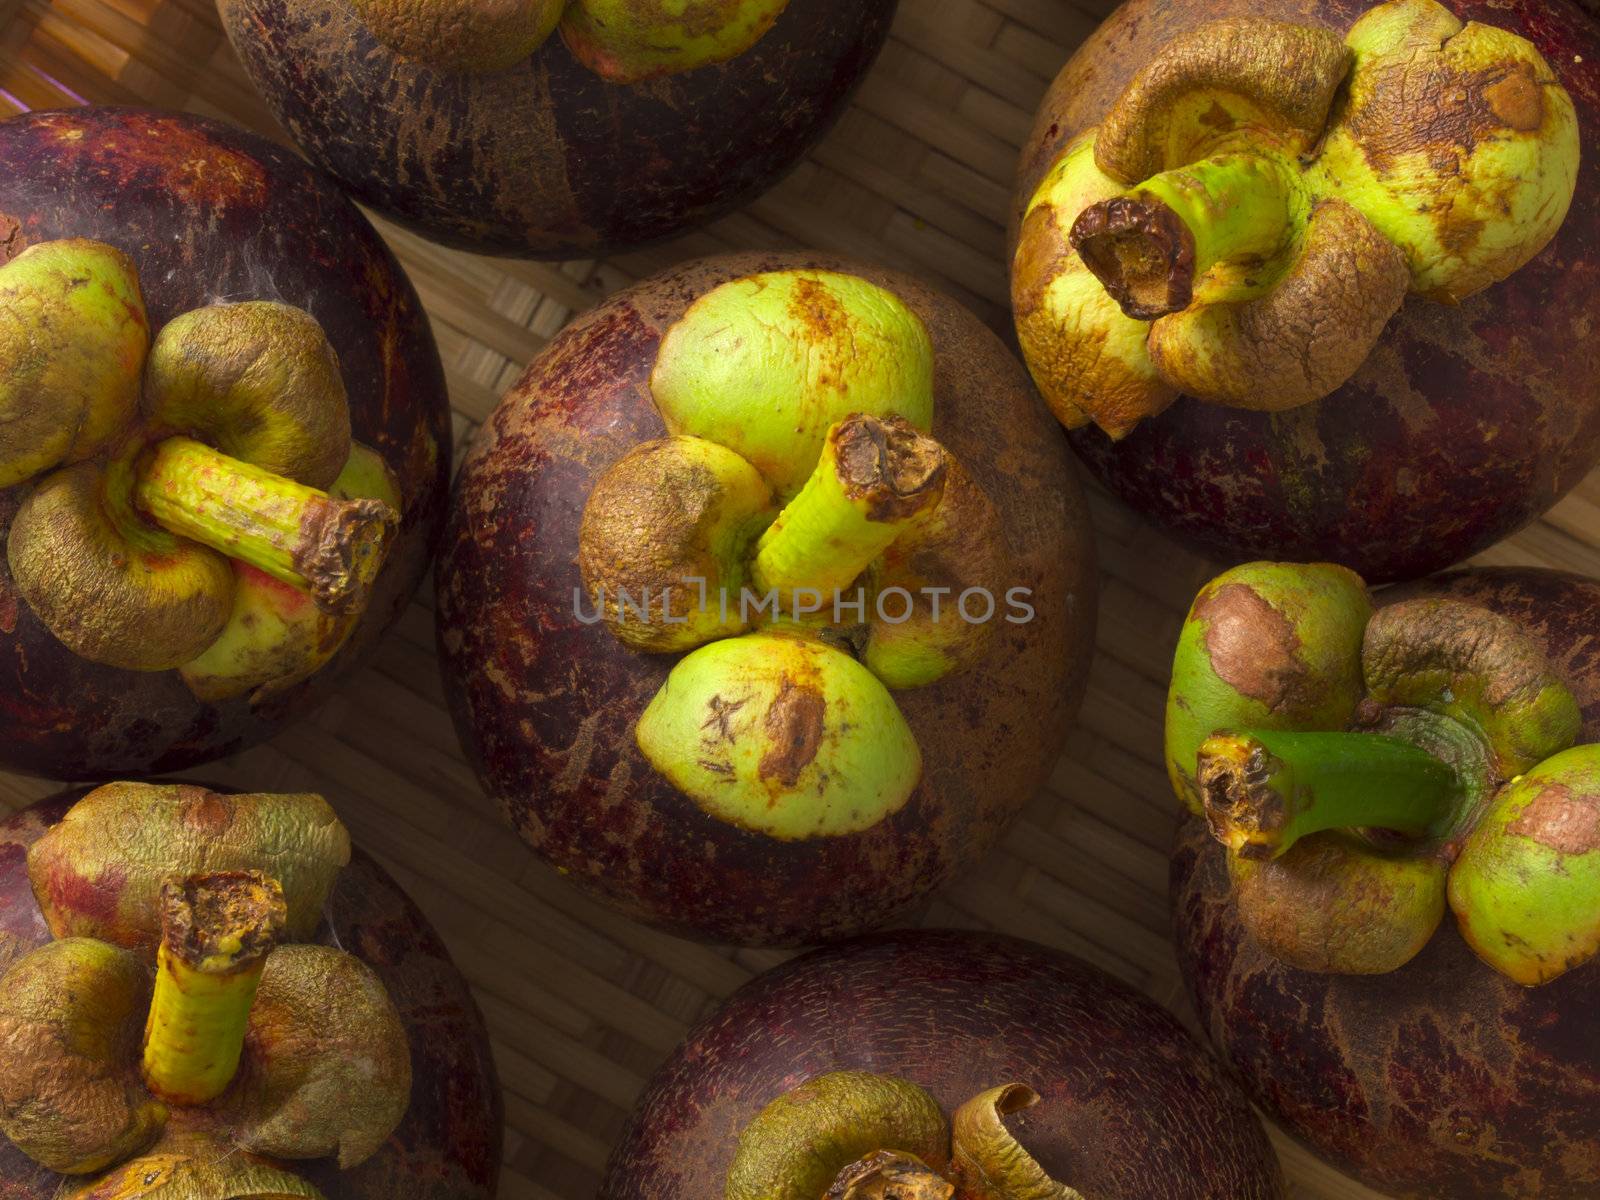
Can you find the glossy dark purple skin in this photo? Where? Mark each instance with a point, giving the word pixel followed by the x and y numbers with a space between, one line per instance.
pixel 1466 424
pixel 211 213
pixel 546 705
pixel 547 159
pixel 1131 1108
pixel 448 1145
pixel 1442 1079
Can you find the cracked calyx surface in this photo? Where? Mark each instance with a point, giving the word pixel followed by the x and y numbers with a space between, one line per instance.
pixel 191 503
pixel 1263 197
pixel 1366 772
pixel 853 1135
pixel 785 535
pixel 174 1039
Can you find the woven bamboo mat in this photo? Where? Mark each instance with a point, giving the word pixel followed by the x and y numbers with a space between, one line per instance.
pixel 581 1004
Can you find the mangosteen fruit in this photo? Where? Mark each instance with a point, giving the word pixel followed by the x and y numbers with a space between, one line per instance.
pixel 556 128
pixel 767 597
pixel 928 1064
pixel 207 995
pixel 1359 767
pixel 1312 279
pixel 224 440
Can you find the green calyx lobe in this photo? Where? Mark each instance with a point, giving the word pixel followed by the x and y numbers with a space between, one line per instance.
pixel 853 1135
pixel 194 460
pixel 798 487
pixel 623 41
pixel 1263 196
pixel 1364 775
pixel 173 1030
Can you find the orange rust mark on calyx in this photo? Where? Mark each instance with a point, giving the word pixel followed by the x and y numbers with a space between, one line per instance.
pixel 1517 99
pixel 192 166
pixel 1564 821
pixel 1252 646
pixel 817 309
pixel 794 724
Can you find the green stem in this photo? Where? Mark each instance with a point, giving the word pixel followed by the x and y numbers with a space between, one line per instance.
pixel 294 533
pixel 874 478
pixel 1265 790
pixel 1149 245
pixel 216 933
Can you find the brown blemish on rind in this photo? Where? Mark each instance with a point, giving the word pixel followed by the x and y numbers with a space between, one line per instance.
pixel 795 725
pixel 12 243
pixel 1253 647
pixel 1565 821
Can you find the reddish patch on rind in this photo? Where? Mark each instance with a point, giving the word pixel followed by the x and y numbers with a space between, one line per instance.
pixel 97 899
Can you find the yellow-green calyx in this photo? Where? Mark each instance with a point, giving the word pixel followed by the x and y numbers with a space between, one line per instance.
pixel 73 334
pixel 135 540
pixel 851 1135
pixel 1367 771
pixel 622 41
pixel 183 1036
pixel 801 511
pixel 783 734
pixel 1262 197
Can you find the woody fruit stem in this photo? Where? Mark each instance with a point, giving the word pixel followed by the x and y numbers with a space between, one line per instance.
pixel 216 933
pixel 874 479
pixel 1264 791
pixel 297 534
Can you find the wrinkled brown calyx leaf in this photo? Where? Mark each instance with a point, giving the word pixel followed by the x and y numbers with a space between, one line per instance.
pixel 852 1135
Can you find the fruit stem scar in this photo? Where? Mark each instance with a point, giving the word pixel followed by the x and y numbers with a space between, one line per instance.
pixel 216 932
pixel 874 479
pixel 1149 246
pixel 1265 790
pixel 297 534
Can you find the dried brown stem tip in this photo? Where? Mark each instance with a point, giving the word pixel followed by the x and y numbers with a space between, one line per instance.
pixel 890 1175
pixel 891 466
pixel 874 478
pixel 1142 253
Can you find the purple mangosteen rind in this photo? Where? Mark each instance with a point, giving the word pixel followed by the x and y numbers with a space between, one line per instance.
pixel 503 161
pixel 1129 1106
pixel 211 215
pixel 1441 1076
pixel 548 705
pixel 446 1146
pixel 1466 423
